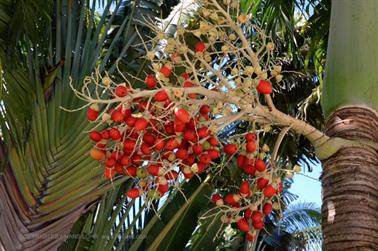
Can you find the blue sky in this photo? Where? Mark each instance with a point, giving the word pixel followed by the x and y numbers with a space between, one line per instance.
pixel 308 190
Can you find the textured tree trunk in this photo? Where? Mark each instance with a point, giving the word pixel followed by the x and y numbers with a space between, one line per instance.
pixel 21 227
pixel 350 183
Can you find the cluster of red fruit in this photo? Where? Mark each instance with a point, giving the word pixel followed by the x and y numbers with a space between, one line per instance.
pixel 249 218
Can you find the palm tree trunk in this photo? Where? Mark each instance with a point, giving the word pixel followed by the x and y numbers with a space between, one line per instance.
pixel 350 184
pixel 350 97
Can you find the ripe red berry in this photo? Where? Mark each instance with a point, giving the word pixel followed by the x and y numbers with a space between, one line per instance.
pixel 97 154
pixel 240 160
pixel 141 124
pixel 243 225
pixel 161 96
pixel 261 183
pixel 200 47
pixel 182 115
pixel 171 175
pixel 163 188
pixel 244 188
pixel 130 171
pixel 110 162
pixel 204 110
pixel 230 148
pixel 213 141
pixel 150 81
pixel 216 197
pixel 117 116
pixel 125 160
pixel 92 113
pixel 95 136
pixel 249 169
pixel 260 165
pixel 121 91
pixel 159 144
pixel 115 134
pixel 145 149
pixel 178 126
pixel 250 146
pixel 166 71
pixel 182 153
pixel 250 136
pixel 184 75
pixel 256 216
pixel 269 191
pixel 231 199
pixel 130 121
pixel 258 225
pixel 267 208
pixel 251 236
pixel 203 132
pixel 205 158
pixel 264 87
pixel 190 135
pixel 171 144
pixel 129 145
pixel 109 173
pixel 213 153
pixel 134 193
pixel 154 170
pixel 197 148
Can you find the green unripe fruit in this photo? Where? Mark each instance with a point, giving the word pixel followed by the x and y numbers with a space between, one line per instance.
pixel 153 194
pixel 206 145
pixel 141 173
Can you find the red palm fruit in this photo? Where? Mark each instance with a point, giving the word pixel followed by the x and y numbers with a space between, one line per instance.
pixel 182 153
pixel 182 115
pixel 134 193
pixel 125 160
pixel 97 154
pixel 249 169
pixel 240 160
pixel 213 141
pixel 121 91
pixel 137 159
pixel 118 168
pixel 114 134
pixel 159 144
pixel 161 96
pixel 171 144
pixel 130 171
pixel 258 225
pixel 110 162
pixel 261 183
pixel 269 191
pixel 188 174
pixel 248 213
pixel 105 134
pixel 244 188
pixel 250 136
pixel 205 158
pixel 184 75
pixel 130 121
pixel 95 136
pixel 205 109
pixel 217 199
pixel 231 199
pixel 191 124
pixel 142 105
pixel 141 124
pixel 201 167
pixel 251 236
pixel 190 160
pixel 257 216
pixel 169 128
pixel 249 161
pixel 267 208
pixel 129 144
pixel 230 148
pixel 260 165
pixel 92 112
pixel 117 116
pixel 150 81
pixel 178 126
pixel 264 87
pixel 127 113
pixel 171 175
pixel 197 148
pixel 213 153
pixel 200 47
pixel 155 170
pixel 243 225
pixel 149 138
pixel 203 132
pixel 166 71
pixel 145 149
pixel 100 146
pixel 163 188
pixel 190 135
pixel 250 146
pixel 116 155
pixel 109 173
